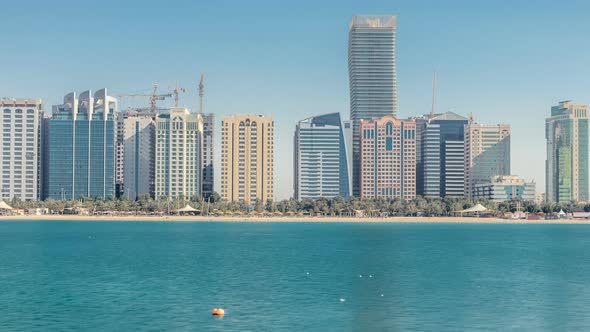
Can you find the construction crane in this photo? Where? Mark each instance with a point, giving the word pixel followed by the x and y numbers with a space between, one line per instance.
pixel 176 91
pixel 153 97
pixel 145 109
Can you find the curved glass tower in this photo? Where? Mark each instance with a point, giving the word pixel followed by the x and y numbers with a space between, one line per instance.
pixel 321 157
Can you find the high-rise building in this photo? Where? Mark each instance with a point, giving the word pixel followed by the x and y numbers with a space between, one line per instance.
pixel 487 153
pixel 321 158
pixel 388 158
pixel 421 122
pixel 137 132
pixel 120 152
pixel 442 165
pixel 81 147
pixel 372 75
pixel 208 154
pixel 247 162
pixel 566 132
pixel 20 151
pixel 179 146
pixel 503 188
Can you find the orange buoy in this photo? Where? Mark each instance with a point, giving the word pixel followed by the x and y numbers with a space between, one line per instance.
pixel 218 312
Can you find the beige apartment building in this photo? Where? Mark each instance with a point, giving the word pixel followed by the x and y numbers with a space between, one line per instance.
pixel 247 158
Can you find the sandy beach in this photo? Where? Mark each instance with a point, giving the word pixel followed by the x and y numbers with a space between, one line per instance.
pixel 295 219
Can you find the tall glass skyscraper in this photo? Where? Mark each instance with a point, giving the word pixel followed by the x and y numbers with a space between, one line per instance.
pixel 442 156
pixel 372 75
pixel 566 132
pixel 321 158
pixel 81 147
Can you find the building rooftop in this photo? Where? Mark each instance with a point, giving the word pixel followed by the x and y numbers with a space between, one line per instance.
pixel 450 116
pixel 331 119
pixel 373 21
pixel 508 179
pixel 22 102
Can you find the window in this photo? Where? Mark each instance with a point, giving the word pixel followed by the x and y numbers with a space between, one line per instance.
pixel 389 128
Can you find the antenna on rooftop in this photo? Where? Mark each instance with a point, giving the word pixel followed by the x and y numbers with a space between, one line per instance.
pixel 201 89
pixel 433 93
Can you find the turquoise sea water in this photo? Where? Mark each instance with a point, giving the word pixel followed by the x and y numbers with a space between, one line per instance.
pixel 293 276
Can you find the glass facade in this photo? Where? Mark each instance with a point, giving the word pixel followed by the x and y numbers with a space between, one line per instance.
pixel 321 159
pixel 431 160
pixel 441 155
pixel 81 150
pixel 566 132
pixel 372 75
pixel 506 188
pixel 487 153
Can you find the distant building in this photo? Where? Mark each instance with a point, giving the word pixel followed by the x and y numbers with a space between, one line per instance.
pixel 487 153
pixel 179 144
pixel 21 149
pixel 81 147
pixel 120 152
pixel 539 198
pixel 372 75
pixel 440 155
pixel 208 154
pixel 388 158
pixel 247 162
pixel 503 188
pixel 138 134
pixel 421 122
pixel 566 132
pixel 321 158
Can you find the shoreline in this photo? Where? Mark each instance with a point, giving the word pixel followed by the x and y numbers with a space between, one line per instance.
pixel 295 219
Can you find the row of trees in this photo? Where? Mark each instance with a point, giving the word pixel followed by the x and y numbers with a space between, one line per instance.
pixel 393 207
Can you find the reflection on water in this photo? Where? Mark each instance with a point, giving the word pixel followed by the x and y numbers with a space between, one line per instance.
pixel 293 277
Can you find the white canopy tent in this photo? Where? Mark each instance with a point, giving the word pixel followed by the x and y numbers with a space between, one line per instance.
pixel 476 209
pixel 4 206
pixel 187 209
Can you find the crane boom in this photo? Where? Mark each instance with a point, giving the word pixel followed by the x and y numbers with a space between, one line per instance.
pixel 153 97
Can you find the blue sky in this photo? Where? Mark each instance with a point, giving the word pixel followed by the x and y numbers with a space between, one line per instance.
pixel 502 61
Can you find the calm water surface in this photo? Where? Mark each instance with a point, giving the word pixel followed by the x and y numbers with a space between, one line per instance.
pixel 293 277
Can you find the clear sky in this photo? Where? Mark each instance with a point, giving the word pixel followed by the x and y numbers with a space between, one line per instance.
pixel 503 61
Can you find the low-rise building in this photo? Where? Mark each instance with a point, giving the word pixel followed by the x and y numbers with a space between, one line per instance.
pixel 502 188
